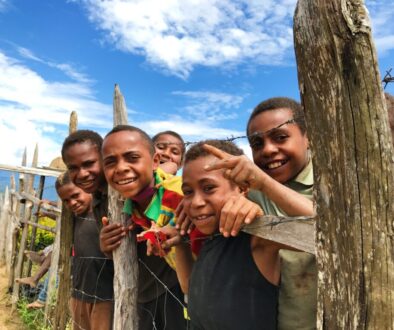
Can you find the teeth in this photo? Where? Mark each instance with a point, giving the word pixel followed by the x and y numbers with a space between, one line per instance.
pixel 274 165
pixel 202 217
pixel 126 181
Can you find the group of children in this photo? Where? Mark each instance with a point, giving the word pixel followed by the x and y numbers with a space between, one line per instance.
pixel 231 279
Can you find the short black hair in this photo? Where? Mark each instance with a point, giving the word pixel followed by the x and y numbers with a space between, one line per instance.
pixel 197 151
pixel 80 136
pixel 280 103
pixel 62 180
pixel 134 129
pixel 175 135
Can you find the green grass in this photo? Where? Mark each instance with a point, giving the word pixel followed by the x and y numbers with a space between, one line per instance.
pixel 34 319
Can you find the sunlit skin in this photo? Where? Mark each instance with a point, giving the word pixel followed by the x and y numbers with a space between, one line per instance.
pixel 84 166
pixel 170 149
pixel 205 193
pixel 127 163
pixel 75 199
pixel 281 153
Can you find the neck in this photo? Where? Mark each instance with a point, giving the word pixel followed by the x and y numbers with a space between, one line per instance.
pixel 143 198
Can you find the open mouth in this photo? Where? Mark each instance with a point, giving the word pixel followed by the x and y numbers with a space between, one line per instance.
pixel 202 217
pixel 125 181
pixel 85 184
pixel 275 164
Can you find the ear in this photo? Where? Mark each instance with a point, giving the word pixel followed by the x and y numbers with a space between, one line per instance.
pixel 156 161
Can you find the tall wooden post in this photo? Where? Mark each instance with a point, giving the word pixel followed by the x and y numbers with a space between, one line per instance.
pixel 353 163
pixel 34 218
pixel 22 214
pixel 64 265
pixel 4 223
pixel 125 256
pixel 14 231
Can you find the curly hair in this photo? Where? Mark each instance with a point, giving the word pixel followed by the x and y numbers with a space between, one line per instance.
pixel 80 136
pixel 62 180
pixel 196 151
pixel 276 103
pixel 134 129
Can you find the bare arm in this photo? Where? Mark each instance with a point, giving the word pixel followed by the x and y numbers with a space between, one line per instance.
pixel 184 265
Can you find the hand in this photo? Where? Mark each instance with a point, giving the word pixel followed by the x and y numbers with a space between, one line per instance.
pixel 183 223
pixel 172 238
pixel 110 236
pixel 236 212
pixel 239 169
pixel 169 167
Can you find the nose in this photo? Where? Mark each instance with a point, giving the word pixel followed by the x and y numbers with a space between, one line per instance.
pixel 197 200
pixel 166 154
pixel 71 203
pixel 122 166
pixel 83 173
pixel 269 149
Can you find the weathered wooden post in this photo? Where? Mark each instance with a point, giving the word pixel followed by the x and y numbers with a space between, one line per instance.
pixel 34 218
pixel 353 163
pixel 64 265
pixel 22 245
pixel 4 223
pixel 14 231
pixel 125 256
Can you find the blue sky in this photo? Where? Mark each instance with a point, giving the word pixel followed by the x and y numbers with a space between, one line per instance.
pixel 194 66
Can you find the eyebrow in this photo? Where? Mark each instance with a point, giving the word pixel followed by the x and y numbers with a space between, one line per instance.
pixel 271 130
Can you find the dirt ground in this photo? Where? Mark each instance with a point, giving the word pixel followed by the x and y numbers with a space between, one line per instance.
pixel 8 320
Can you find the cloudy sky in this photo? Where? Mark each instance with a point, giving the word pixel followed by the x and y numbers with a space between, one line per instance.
pixel 194 66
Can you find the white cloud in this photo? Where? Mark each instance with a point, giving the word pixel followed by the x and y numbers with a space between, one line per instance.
pixel 34 110
pixel 180 35
pixel 210 106
pixel 382 14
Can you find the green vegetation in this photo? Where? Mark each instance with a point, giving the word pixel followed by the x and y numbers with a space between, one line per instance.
pixel 43 237
pixel 34 319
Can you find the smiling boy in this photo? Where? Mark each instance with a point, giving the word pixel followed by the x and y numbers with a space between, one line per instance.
pixel 131 167
pixel 234 282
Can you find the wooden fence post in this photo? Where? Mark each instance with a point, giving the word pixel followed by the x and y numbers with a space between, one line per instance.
pixel 4 223
pixel 13 233
pixel 34 218
pixel 22 245
pixel 62 315
pixel 125 256
pixel 353 163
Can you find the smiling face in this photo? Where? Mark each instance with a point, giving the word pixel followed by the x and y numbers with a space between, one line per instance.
pixel 170 149
pixel 84 166
pixel 205 194
pixel 75 198
pixel 127 162
pixel 282 152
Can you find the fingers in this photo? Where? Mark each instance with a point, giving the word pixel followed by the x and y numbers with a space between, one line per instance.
pixel 104 220
pixel 235 213
pixel 183 223
pixel 173 241
pixel 216 152
pixel 110 237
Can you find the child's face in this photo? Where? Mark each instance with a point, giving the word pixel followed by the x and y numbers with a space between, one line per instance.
pixel 75 198
pixel 205 194
pixel 169 148
pixel 282 153
pixel 84 165
pixel 127 162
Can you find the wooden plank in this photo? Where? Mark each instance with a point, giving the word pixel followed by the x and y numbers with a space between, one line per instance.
pixel 296 232
pixel 37 225
pixel 125 256
pixel 29 170
pixel 22 197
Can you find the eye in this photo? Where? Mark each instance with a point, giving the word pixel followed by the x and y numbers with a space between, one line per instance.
pixel 160 146
pixel 132 157
pixel 280 137
pixel 209 188
pixel 187 191
pixel 108 162
pixel 89 163
pixel 256 142
pixel 176 151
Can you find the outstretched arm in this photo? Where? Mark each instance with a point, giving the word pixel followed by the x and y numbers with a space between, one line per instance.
pixel 245 173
